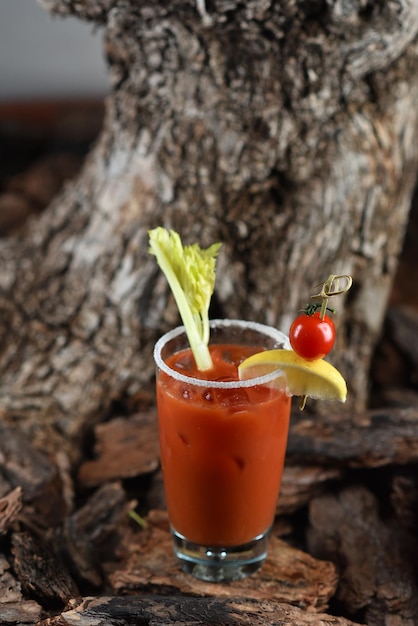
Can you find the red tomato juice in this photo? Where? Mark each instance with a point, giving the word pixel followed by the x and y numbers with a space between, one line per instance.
pixel 222 450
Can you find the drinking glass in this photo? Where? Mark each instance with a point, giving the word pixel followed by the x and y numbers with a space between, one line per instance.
pixel 223 444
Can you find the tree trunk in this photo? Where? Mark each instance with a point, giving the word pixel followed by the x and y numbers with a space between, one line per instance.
pixel 287 131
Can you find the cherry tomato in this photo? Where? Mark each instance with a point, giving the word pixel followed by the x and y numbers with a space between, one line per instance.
pixel 311 337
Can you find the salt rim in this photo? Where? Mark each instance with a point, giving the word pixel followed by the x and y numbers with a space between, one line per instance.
pixel 281 338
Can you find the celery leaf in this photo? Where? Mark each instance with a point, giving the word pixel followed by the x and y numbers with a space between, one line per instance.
pixel 190 272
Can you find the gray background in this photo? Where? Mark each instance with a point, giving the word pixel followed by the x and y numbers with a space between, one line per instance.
pixel 43 57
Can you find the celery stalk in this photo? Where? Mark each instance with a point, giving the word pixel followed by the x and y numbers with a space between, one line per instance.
pixel 190 272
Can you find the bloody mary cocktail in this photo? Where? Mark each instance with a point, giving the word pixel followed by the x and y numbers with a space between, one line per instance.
pixel 223 444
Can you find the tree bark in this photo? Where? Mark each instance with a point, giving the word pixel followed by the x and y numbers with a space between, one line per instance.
pixel 164 611
pixel 287 131
pixel 377 559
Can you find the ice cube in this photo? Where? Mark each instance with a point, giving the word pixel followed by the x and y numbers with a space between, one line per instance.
pixel 234 397
pixel 184 364
pixel 227 357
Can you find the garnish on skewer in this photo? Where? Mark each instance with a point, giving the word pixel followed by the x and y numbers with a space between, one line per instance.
pixel 312 336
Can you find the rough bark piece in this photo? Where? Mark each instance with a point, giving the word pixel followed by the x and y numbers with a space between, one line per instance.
pixel 10 506
pixel 125 447
pixel 376 560
pixel 373 439
pixel 300 483
pixel 288 575
pixel 15 610
pixel 20 613
pixel 166 611
pixel 22 465
pixel 39 570
pixel 85 539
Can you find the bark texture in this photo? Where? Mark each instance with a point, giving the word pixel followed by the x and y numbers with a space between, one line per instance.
pixel 164 611
pixel 288 131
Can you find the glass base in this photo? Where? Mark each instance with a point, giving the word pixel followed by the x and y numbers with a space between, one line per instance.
pixel 220 564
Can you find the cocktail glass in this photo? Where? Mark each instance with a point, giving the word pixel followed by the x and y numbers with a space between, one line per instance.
pixel 223 444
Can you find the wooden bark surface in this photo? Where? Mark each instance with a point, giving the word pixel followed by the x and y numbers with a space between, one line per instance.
pixel 14 608
pixel 380 437
pixel 10 507
pixel 39 570
pixel 287 131
pixel 166 611
pixel 124 448
pixel 380 577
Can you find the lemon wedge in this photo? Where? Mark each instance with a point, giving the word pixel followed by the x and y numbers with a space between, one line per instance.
pixel 314 379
